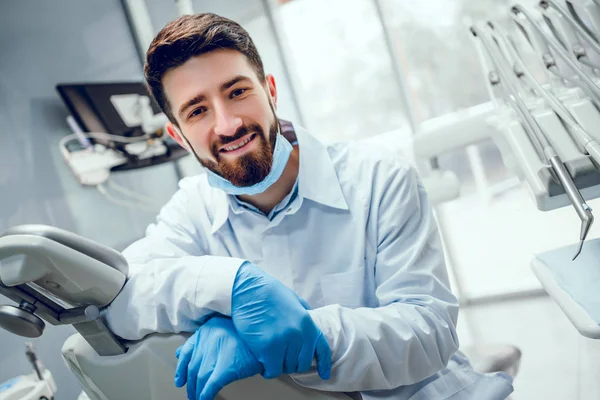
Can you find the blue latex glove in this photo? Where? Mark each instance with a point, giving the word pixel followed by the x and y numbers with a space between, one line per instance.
pixel 212 358
pixel 272 320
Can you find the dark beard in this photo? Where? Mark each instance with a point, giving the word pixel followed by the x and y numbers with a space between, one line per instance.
pixel 251 168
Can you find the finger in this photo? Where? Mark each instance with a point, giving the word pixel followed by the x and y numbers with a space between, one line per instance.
pixel 271 373
pixel 190 388
pixel 203 376
pixel 178 351
pixel 185 355
pixel 290 363
pixel 305 358
pixel 273 366
pixel 193 372
pixel 217 381
pixel 323 355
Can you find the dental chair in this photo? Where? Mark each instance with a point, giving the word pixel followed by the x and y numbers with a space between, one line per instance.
pixel 64 279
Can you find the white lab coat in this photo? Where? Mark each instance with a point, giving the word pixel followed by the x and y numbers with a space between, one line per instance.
pixel 358 241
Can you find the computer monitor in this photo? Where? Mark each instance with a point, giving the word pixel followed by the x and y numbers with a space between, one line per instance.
pixel 93 107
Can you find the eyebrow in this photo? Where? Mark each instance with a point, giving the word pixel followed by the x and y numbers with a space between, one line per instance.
pixel 233 81
pixel 201 97
pixel 193 101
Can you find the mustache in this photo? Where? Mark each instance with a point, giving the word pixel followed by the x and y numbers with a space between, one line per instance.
pixel 240 133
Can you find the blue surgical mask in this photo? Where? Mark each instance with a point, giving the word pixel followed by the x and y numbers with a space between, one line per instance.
pixel 281 155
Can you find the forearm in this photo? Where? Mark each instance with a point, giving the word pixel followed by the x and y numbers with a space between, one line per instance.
pixel 383 348
pixel 172 295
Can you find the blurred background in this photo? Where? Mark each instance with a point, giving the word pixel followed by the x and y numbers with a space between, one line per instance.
pixel 378 70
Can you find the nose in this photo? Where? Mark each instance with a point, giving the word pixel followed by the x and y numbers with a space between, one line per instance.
pixel 226 123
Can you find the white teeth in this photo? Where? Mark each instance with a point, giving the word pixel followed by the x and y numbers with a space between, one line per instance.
pixel 239 145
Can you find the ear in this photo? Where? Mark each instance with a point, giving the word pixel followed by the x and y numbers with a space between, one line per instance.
pixel 272 89
pixel 176 134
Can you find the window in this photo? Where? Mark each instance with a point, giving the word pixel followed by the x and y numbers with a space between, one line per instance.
pixel 346 84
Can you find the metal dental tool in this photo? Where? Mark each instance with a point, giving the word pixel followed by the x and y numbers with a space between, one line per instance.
pixel 582 137
pixel 537 136
pixel 545 4
pixel 587 15
pixel 590 145
pixel 568 28
pixel 585 82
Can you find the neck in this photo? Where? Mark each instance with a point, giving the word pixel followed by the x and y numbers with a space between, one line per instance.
pixel 267 200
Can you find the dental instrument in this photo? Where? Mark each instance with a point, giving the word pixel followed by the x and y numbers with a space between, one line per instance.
pixel 548 58
pixel 543 146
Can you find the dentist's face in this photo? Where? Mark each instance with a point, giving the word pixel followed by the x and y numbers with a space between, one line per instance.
pixel 226 114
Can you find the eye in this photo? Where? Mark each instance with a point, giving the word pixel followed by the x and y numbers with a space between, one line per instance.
pixel 197 111
pixel 237 92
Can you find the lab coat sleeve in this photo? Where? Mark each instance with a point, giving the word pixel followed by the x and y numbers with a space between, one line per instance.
pixel 411 335
pixel 173 285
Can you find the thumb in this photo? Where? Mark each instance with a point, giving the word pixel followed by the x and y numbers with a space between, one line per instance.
pixel 323 356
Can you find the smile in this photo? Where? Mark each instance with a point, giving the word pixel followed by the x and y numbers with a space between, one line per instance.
pixel 238 144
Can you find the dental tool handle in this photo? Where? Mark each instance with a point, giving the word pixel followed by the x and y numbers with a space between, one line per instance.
pixel 593 149
pixel 568 184
pixel 593 89
pixel 583 210
pixel 590 40
pixel 537 41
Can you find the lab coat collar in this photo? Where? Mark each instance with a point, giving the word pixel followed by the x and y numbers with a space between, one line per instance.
pixel 317 179
pixel 222 206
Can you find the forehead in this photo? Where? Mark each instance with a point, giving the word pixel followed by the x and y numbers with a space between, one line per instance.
pixel 204 74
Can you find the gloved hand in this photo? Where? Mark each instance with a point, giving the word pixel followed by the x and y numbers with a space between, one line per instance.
pixel 272 320
pixel 212 358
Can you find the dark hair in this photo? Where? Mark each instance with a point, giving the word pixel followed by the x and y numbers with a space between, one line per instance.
pixel 189 36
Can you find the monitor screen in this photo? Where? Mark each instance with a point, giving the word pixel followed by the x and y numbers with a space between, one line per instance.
pixel 93 105
pixel 107 108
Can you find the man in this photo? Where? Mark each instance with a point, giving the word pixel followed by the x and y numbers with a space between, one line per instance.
pixel 287 256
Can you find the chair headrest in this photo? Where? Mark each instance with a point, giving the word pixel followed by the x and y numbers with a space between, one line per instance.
pixel 76 242
pixel 72 268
